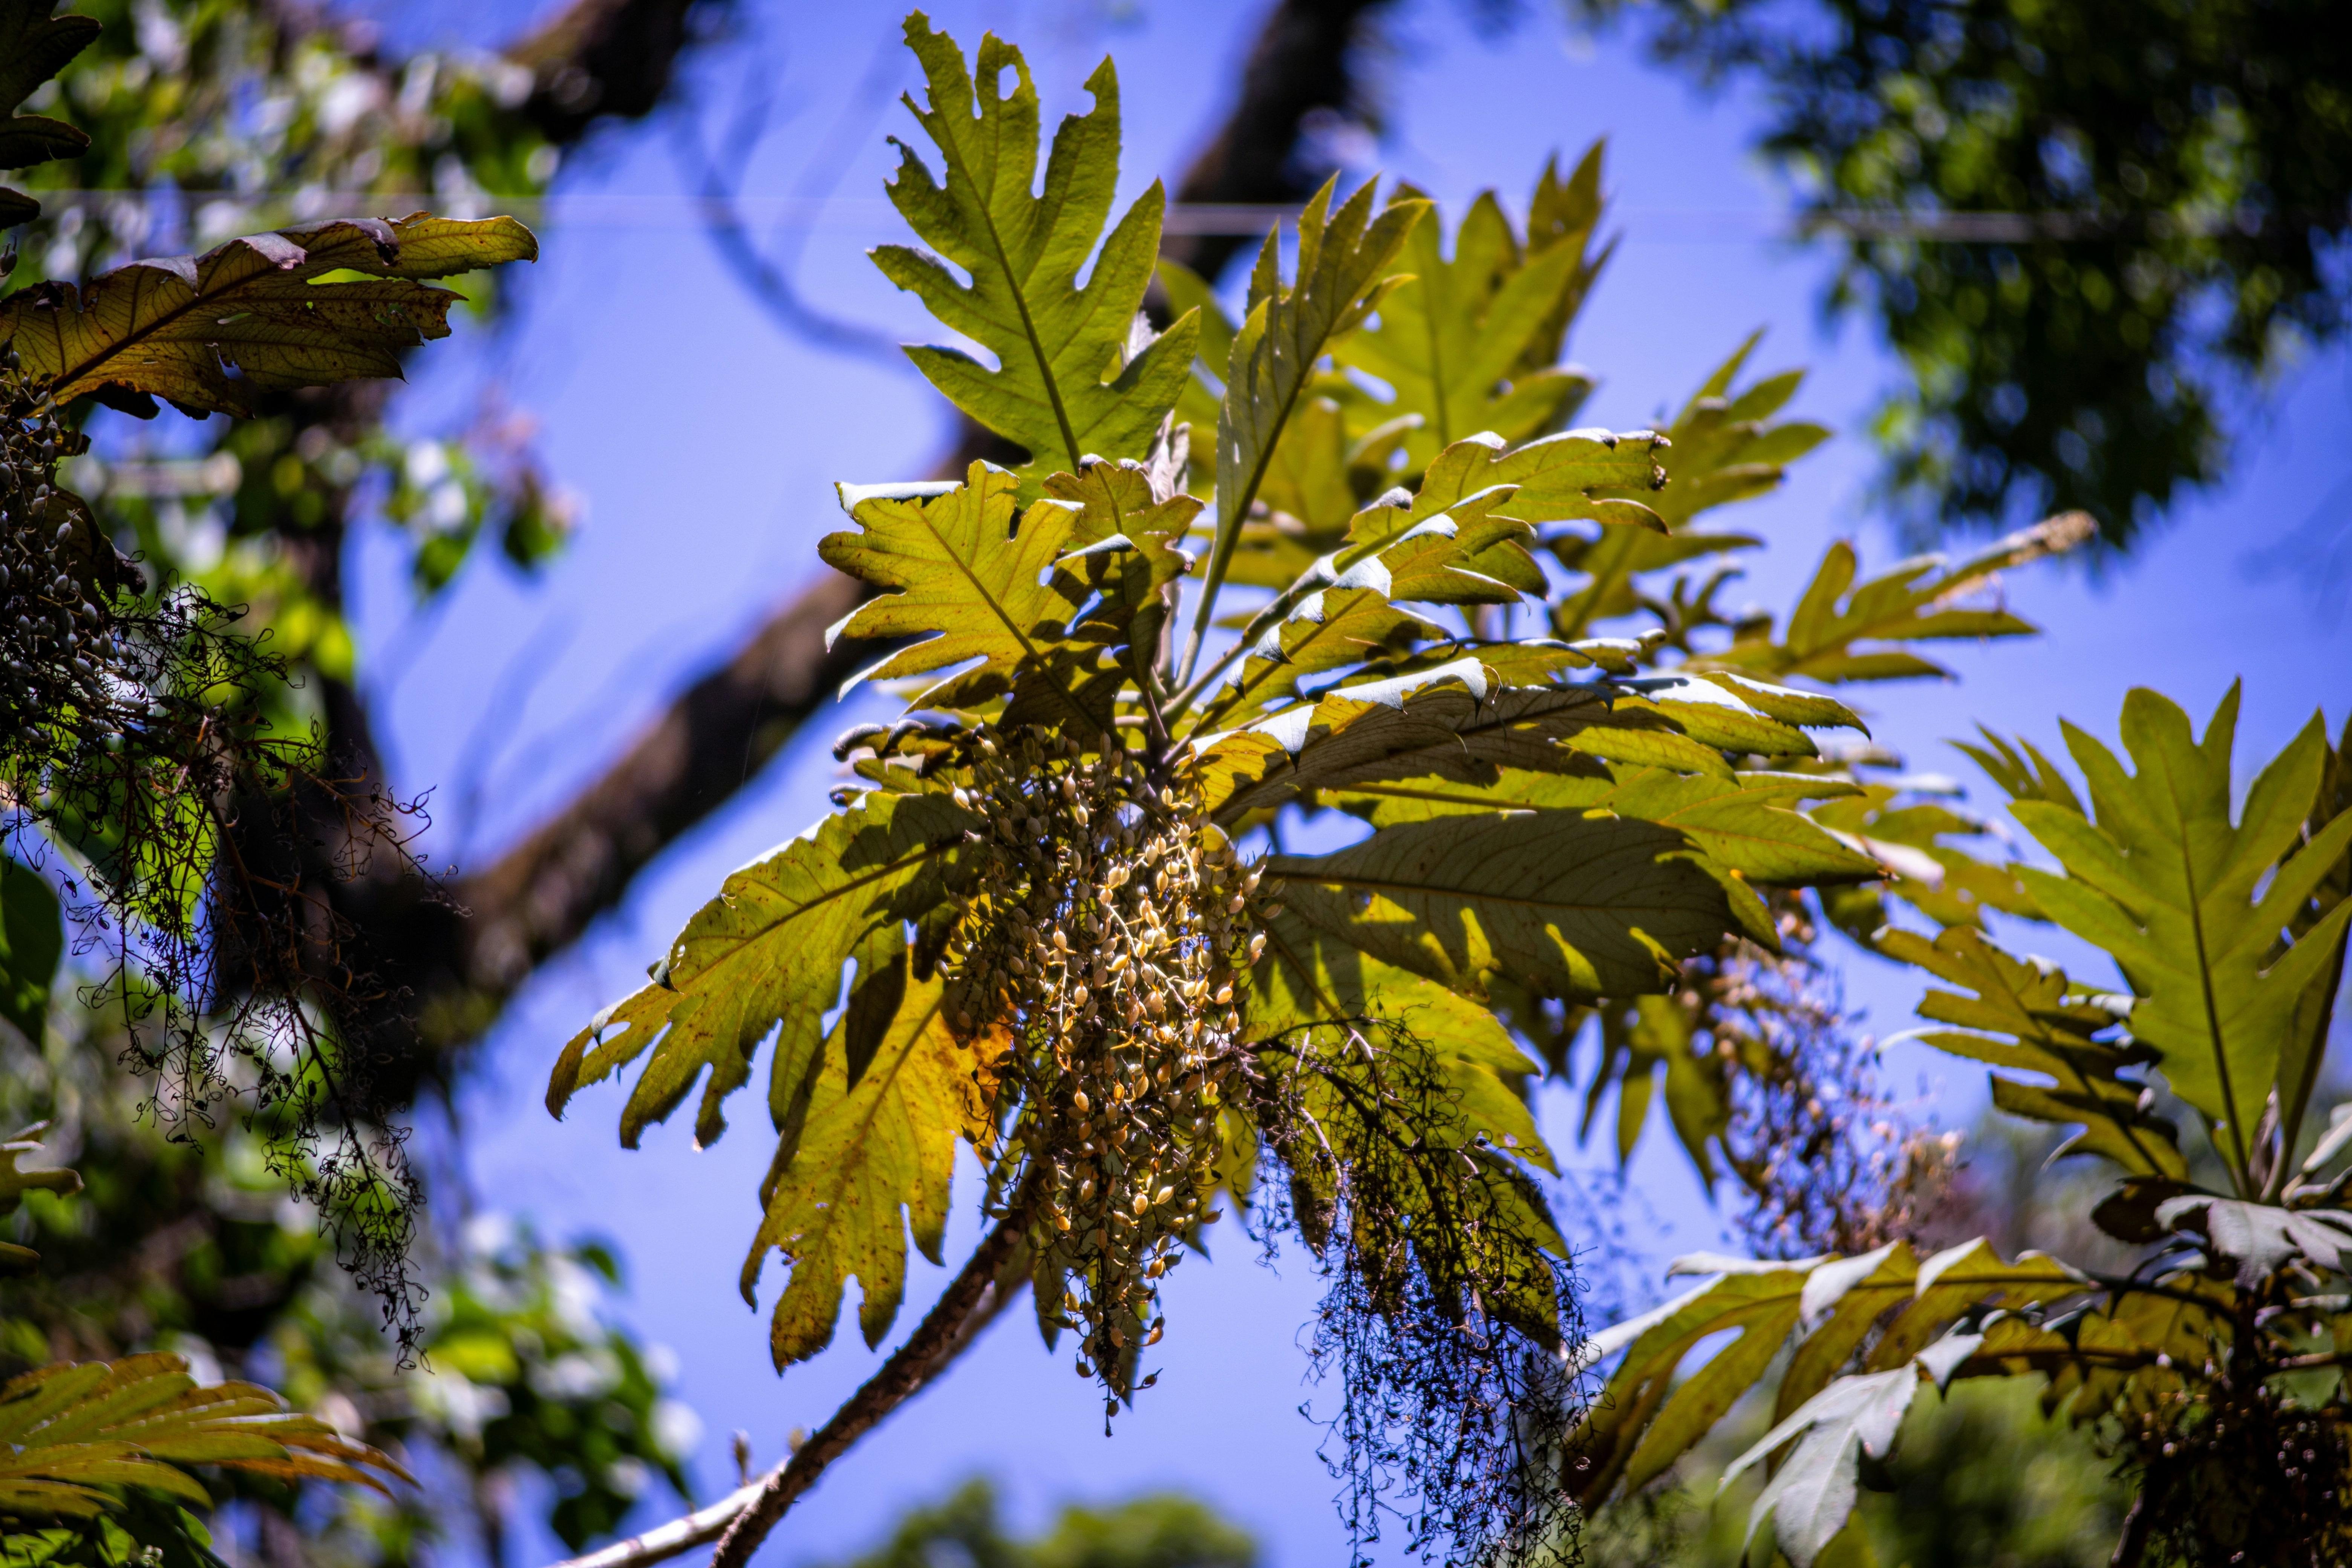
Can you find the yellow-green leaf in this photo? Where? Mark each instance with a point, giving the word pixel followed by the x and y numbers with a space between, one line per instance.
pixel 977 594
pixel 873 1157
pixel 1064 385
pixel 767 951
pixel 177 327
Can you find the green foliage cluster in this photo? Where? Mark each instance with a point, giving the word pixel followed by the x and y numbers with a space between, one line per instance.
pixel 1062 894
pixel 2213 1366
pixel 526 1373
pixel 1155 1531
pixel 133 750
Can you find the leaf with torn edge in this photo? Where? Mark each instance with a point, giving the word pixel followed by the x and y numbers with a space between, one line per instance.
pixel 767 954
pixel 1064 385
pixel 874 1156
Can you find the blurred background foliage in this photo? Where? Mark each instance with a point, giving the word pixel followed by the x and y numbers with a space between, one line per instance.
pixel 1160 1529
pixel 2095 231
pixel 1982 1479
pixel 530 1393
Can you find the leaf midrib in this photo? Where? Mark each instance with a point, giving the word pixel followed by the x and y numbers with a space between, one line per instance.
pixel 82 309
pixel 920 853
pixel 1029 330
pixel 2207 999
pixel 1389 885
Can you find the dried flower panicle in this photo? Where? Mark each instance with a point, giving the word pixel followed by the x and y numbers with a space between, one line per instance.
pixel 1449 1318
pixel 134 723
pixel 1104 929
pixel 1831 1164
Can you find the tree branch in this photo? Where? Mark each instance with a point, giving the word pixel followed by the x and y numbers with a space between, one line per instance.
pixel 1305 62
pixel 741 1521
pixel 596 57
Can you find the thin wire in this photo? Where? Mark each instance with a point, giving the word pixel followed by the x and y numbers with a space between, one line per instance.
pixel 821 214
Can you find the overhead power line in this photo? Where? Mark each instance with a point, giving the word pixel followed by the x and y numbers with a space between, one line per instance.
pixel 862 215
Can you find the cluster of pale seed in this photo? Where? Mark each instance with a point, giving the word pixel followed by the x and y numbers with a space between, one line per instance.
pixel 1103 936
pixel 56 636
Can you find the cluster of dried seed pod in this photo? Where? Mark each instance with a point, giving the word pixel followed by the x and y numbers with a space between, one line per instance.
pixel 58 643
pixel 1104 937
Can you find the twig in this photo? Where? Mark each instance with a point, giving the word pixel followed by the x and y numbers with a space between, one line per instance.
pixel 941 1334
pixel 771 284
pixel 741 1521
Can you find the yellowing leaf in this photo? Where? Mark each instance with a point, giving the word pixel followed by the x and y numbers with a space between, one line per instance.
pixel 176 326
pixel 767 951
pixel 873 1156
pixel 1063 386
pixel 70 1431
pixel 977 594
pixel 1962 1277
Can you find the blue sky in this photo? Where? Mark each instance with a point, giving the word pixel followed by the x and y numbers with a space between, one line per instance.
pixel 704 442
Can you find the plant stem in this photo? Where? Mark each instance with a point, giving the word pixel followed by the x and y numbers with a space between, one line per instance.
pixel 741 1521
pixel 1319 575
pixel 2133 1545
pixel 936 1341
